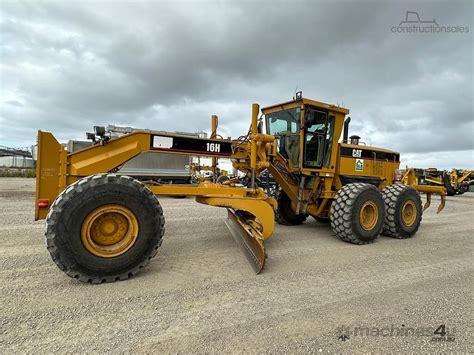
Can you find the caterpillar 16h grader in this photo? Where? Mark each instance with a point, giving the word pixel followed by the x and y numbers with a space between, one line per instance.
pixel 103 227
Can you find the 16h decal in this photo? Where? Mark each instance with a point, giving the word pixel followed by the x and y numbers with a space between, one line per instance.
pixel 213 147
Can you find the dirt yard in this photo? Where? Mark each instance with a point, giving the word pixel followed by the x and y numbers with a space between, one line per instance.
pixel 316 294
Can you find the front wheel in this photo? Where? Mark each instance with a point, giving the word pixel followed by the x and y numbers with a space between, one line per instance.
pixel 357 213
pixel 284 214
pixel 104 228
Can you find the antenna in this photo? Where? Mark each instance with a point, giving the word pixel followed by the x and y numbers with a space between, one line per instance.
pixel 294 94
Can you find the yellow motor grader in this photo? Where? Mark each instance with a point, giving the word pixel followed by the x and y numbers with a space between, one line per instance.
pixel 456 181
pixel 103 227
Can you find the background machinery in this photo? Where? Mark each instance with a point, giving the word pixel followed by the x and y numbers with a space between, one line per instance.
pixel 456 181
pixel 162 168
pixel 103 227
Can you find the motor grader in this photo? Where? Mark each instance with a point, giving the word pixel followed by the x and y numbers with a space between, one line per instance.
pixel 456 181
pixel 103 227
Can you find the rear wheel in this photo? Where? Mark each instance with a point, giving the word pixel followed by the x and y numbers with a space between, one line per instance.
pixel 285 214
pixel 404 211
pixel 357 213
pixel 104 228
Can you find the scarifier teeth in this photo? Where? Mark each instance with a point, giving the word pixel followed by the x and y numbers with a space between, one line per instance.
pixel 441 205
pixel 428 201
pixel 243 233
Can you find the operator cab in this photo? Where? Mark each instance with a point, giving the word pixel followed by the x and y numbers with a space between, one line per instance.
pixel 303 127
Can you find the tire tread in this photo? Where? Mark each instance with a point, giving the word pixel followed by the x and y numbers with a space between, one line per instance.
pixel 341 212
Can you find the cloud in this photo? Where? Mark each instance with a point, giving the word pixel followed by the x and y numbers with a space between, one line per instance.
pixel 170 65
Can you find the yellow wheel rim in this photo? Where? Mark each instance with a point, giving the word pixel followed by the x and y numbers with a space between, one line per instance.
pixel 109 231
pixel 409 213
pixel 369 215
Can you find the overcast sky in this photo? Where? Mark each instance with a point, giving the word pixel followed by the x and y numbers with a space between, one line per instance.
pixel 69 65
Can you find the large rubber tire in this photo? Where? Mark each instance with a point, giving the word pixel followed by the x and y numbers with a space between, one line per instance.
pixel 462 188
pixel 395 197
pixel 284 214
pixel 221 179
pixel 346 210
pixel 73 205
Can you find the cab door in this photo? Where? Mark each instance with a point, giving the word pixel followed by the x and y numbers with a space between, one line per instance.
pixel 285 125
pixel 315 138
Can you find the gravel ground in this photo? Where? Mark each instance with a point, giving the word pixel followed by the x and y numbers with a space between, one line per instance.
pixel 200 295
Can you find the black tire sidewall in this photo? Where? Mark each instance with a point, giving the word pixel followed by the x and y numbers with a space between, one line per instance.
pixel 286 211
pixel 221 179
pixel 402 229
pixel 462 189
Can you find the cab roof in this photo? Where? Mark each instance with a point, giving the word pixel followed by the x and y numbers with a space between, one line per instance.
pixel 310 103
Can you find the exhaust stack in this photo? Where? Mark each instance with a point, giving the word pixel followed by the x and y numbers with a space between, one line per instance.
pixel 354 139
pixel 346 130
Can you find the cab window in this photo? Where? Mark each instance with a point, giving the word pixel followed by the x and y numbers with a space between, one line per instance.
pixel 286 126
pixel 316 124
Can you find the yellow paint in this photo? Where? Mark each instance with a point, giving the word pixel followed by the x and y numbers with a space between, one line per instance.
pixel 409 213
pixel 47 171
pixel 109 231
pixel 262 209
pixel 251 153
pixel 368 215
pixel 410 178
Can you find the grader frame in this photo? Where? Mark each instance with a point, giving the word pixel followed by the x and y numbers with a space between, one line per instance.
pixel 316 174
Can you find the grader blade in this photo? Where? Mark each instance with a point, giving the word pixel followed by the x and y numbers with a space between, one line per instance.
pixel 250 220
pixel 244 231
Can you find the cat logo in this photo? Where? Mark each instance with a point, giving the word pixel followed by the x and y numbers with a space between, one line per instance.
pixel 359 165
pixel 357 153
